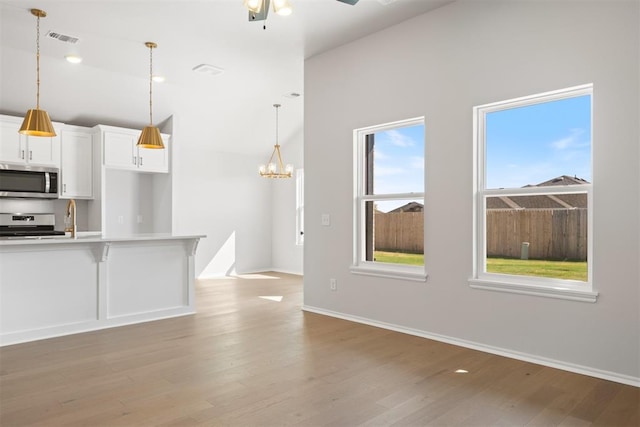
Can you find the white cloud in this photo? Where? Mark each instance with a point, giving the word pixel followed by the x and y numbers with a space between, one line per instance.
pixel 570 142
pixel 399 139
pixel 379 154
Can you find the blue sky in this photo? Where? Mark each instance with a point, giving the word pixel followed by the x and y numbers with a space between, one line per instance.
pixel 525 145
pixel 398 163
pixel 533 144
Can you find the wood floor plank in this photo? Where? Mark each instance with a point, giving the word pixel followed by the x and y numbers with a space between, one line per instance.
pixel 243 360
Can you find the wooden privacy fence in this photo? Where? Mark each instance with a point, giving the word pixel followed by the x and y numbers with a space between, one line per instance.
pixel 399 232
pixel 551 233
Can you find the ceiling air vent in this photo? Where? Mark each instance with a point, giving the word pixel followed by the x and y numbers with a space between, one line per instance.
pixel 63 37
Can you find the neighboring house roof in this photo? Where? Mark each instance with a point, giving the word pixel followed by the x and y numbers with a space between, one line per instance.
pixel 409 207
pixel 561 180
pixel 558 201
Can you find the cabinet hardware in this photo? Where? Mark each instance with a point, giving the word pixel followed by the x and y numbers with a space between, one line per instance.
pixel 22 154
pixel 30 155
pixel 134 160
pixel 64 188
pixel 140 160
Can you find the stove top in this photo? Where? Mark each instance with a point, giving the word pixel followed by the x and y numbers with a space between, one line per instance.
pixel 23 233
pixel 18 224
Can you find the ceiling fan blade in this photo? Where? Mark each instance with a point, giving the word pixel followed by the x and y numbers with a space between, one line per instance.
pixel 351 2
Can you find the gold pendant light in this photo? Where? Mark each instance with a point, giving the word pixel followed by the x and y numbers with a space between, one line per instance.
pixel 37 122
pixel 150 136
pixel 272 169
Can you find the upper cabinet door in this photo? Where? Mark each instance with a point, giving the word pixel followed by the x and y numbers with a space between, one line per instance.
pixel 22 149
pixel 154 160
pixel 44 151
pixel 119 150
pixel 77 164
pixel 10 143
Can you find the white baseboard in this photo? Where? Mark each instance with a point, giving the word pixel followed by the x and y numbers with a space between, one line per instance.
pixel 256 271
pixel 285 271
pixel 579 369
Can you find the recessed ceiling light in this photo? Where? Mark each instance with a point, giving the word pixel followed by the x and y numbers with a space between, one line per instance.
pixel 208 69
pixel 74 59
pixel 158 79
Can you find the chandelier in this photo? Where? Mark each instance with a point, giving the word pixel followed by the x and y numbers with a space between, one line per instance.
pixel 275 168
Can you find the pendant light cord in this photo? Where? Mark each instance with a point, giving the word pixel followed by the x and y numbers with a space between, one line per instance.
pixel 38 63
pixel 151 85
pixel 277 106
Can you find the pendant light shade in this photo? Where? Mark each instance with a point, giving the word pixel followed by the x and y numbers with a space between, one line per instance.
pixel 37 122
pixel 150 136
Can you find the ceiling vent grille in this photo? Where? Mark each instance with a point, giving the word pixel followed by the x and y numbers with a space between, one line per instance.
pixel 63 37
pixel 208 69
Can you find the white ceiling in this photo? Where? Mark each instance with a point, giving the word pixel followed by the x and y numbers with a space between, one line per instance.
pixel 110 86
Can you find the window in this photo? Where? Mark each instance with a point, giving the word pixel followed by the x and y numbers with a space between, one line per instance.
pixel 389 200
pixel 533 195
pixel 300 207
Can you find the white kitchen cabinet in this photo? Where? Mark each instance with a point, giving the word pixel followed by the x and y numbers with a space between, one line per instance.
pixel 121 151
pixel 76 155
pixel 27 150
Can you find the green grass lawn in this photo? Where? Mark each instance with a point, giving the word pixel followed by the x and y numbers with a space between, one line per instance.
pixel 399 258
pixel 568 270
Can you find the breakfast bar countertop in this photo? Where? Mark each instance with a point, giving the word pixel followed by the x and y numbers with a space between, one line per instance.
pixel 91 237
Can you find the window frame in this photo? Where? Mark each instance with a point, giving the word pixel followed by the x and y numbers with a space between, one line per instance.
pixel 529 285
pixel 360 265
pixel 300 207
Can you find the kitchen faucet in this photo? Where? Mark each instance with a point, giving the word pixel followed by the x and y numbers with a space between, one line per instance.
pixel 70 218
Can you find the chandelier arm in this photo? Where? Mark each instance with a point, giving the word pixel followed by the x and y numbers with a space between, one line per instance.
pixel 280 160
pixel 273 153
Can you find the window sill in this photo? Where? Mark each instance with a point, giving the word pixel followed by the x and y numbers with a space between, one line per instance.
pixel 542 291
pixel 389 272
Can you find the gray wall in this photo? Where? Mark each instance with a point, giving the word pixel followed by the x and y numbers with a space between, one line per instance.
pixel 440 65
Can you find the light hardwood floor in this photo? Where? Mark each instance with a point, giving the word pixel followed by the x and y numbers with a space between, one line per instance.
pixel 245 360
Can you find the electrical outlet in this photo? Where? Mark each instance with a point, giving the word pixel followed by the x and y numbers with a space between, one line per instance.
pixel 120 219
pixel 139 219
pixel 326 220
pixel 333 284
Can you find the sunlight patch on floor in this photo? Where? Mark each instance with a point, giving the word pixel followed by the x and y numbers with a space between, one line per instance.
pixel 272 298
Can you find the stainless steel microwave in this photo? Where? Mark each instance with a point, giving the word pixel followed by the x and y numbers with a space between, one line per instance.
pixel 28 181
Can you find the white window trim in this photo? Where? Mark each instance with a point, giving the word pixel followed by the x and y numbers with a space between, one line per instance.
pixel 539 286
pixel 300 207
pixel 360 265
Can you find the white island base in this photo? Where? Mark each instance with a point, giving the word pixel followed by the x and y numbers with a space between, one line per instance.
pixel 54 287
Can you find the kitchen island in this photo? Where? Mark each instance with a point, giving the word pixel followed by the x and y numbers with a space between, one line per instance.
pixel 53 286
